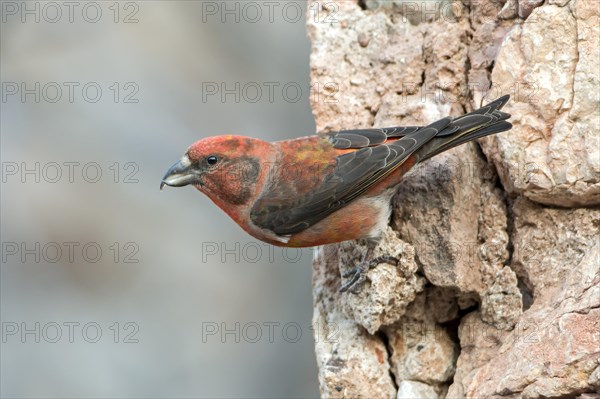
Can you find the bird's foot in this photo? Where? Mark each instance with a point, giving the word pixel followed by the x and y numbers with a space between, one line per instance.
pixel 358 274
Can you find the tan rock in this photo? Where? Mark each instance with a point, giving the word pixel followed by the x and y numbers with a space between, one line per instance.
pixel 509 10
pixel 502 302
pixel 451 212
pixel 550 245
pixel 490 26
pixel 554 349
pixel 552 155
pixel 392 59
pixel 383 298
pixel 422 351
pixel 479 343
pixel 415 390
pixel 526 7
pixel 352 363
pixel 520 279
pixel 441 304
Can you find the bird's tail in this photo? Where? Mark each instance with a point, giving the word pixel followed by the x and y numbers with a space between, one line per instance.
pixel 479 123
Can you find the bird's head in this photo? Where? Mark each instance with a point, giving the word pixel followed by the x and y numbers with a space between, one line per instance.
pixel 226 168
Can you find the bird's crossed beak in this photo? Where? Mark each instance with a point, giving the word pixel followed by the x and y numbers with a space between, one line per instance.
pixel 181 174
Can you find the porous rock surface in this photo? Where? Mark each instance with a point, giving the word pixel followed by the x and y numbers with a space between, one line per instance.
pixel 498 289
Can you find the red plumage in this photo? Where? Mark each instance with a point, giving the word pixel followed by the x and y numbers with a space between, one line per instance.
pixel 325 188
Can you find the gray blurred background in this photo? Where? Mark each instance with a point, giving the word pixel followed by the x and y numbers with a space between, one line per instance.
pixel 197 273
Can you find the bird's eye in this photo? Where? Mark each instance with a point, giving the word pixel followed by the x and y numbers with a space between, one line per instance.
pixel 211 160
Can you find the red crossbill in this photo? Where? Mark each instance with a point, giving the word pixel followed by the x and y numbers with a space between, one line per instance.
pixel 323 188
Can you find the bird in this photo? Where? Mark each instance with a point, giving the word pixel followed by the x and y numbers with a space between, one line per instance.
pixel 324 188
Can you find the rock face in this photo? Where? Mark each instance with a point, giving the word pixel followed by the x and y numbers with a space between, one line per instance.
pixel 352 362
pixel 498 288
pixel 553 154
pixel 554 348
pixel 389 290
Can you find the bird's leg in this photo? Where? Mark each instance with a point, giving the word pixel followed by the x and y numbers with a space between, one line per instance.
pixel 358 274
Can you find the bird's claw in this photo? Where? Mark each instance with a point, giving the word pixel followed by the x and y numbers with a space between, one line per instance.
pixel 384 259
pixel 358 274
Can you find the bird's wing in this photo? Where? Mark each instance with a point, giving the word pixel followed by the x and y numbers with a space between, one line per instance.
pixel 288 206
pixel 292 202
pixel 361 138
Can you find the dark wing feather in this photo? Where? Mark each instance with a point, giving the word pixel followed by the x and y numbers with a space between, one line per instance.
pixel 361 138
pixel 356 172
pixel 479 123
